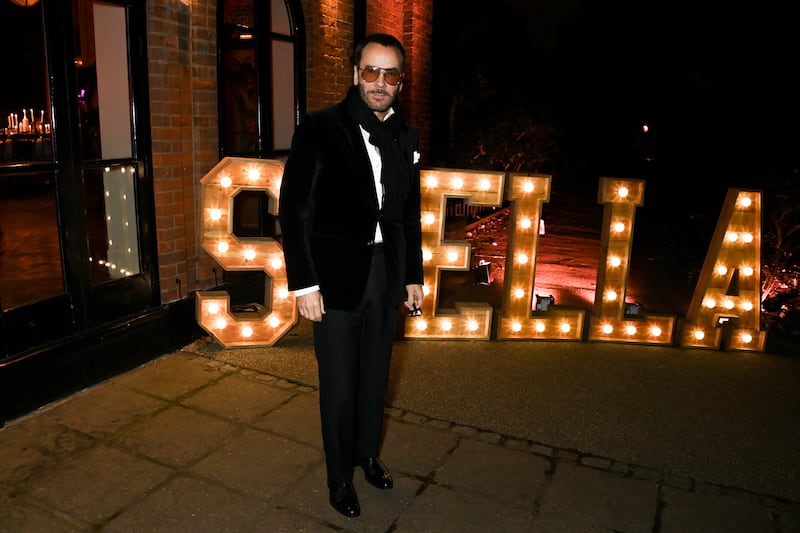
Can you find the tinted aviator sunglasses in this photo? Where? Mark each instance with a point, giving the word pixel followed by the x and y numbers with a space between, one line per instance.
pixel 392 76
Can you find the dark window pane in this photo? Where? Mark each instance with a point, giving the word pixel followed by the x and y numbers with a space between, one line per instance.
pixel 111 222
pixel 30 248
pixel 25 108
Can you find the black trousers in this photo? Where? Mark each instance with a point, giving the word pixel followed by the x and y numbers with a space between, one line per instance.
pixel 353 350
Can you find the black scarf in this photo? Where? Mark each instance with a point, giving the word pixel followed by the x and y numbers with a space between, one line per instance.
pixel 383 135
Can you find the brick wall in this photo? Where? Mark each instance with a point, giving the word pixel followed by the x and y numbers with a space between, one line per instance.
pixel 181 39
pixel 183 113
pixel 329 42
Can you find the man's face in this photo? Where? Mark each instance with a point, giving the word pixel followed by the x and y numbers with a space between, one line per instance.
pixel 379 95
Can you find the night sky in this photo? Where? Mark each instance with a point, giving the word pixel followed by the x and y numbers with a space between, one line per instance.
pixel 718 87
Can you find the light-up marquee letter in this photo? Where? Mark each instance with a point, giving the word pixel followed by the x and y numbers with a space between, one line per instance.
pixel 610 323
pixel 220 186
pixel 467 320
pixel 728 293
pixel 527 194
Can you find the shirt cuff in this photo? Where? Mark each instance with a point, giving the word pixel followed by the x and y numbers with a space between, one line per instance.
pixel 307 290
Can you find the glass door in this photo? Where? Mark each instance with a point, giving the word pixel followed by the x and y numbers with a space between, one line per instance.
pixel 76 197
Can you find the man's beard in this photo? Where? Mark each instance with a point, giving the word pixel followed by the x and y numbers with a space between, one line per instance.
pixel 376 108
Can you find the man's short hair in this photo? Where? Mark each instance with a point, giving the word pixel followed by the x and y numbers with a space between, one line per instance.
pixel 383 39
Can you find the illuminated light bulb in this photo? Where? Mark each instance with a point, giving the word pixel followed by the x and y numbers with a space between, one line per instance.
pixel 107 169
pixel 215 214
pixel 608 329
pixel 565 328
pixel 722 270
pixel 274 322
pixel 213 308
pixel 428 218
pixel 630 330
pixel 108 217
pixel 220 323
pixel 447 325
pixel 747 306
pixel 431 182
pixel 226 181
pixel 745 201
pixel 728 304
pixel 525 223
pixel 426 290
pixel 710 303
pixel 484 185
pixel 539 327
pixel 249 254
pixel 527 186
pixel 283 293
pixel 611 296
pixel 108 194
pixel 133 169
pixel 516 327
pixel 110 242
pixel 731 236
pixel 747 237
pixel 253 174
pixel 622 192
pixel 699 334
pixel 619 227
pixel 222 246
pixel 655 331
pixel 421 325
pixel 276 263
pixel 747 338
pixel 122 170
pixel 615 261
pixel 519 293
pixel 747 271
pixel 247 332
pixel 522 258
pixel 427 255
pixel 452 256
pixel 457 183
pixel 472 325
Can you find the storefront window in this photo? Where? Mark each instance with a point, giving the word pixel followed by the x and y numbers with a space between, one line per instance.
pixel 257 78
pixel 104 98
pixel 25 134
pixel 111 222
pixel 30 247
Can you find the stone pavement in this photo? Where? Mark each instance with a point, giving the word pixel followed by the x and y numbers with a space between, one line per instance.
pixel 480 436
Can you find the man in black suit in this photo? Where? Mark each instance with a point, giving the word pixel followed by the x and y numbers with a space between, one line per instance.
pixel 350 221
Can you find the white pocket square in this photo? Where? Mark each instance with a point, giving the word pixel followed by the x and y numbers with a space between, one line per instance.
pixel 416 157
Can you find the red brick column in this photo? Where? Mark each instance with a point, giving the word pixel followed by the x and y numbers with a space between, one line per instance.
pixel 181 43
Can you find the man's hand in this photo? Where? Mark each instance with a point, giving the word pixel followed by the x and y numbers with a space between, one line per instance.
pixel 311 306
pixel 414 296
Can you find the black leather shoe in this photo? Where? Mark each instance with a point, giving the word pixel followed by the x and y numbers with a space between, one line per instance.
pixel 344 499
pixel 376 474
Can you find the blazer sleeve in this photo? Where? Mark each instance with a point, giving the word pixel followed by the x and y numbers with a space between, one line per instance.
pixel 411 220
pixel 294 205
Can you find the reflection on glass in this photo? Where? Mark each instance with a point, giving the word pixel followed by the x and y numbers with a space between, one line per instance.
pixel 104 100
pixel 24 104
pixel 30 249
pixel 111 222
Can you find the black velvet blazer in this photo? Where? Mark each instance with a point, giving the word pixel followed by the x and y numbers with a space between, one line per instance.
pixel 328 211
